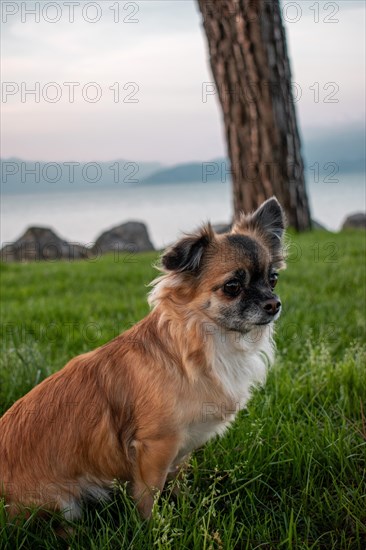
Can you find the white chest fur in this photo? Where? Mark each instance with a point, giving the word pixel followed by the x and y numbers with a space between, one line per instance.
pixel 240 362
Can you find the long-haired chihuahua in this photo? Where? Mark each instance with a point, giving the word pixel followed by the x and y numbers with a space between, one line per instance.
pixel 133 409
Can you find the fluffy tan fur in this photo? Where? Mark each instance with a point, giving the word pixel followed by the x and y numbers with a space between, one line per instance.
pixel 134 408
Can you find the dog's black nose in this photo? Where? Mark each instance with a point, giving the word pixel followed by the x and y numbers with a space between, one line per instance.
pixel 272 306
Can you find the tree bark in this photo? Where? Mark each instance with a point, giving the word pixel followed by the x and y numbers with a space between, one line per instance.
pixel 250 64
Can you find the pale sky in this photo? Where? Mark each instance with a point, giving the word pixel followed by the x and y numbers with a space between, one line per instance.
pixel 161 60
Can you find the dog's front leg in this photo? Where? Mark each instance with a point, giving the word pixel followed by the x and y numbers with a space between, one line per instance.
pixel 153 459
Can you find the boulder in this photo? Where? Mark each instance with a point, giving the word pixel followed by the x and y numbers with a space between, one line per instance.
pixel 41 243
pixel 355 221
pixel 129 237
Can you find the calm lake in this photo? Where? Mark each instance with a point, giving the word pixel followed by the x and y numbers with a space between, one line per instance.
pixel 81 215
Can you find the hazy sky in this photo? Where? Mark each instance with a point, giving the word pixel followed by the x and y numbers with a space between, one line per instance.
pixel 156 52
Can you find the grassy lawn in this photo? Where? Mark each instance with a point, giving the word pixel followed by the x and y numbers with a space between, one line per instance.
pixel 290 473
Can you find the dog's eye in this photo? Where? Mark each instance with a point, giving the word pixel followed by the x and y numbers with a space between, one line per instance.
pixel 273 279
pixel 232 288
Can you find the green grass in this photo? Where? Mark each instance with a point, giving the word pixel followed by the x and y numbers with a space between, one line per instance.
pixel 290 473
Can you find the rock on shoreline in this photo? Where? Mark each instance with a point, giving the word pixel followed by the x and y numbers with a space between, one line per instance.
pixel 355 221
pixel 130 237
pixel 43 244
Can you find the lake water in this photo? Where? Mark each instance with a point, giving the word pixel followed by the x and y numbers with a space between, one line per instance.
pixel 81 215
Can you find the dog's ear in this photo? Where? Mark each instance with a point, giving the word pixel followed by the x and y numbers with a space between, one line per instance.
pixel 270 221
pixel 270 218
pixel 187 254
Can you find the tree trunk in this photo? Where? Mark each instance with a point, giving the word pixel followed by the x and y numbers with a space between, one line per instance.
pixel 250 64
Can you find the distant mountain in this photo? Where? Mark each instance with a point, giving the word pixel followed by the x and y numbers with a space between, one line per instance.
pixel 344 147
pixel 205 172
pixel 329 152
pixel 20 176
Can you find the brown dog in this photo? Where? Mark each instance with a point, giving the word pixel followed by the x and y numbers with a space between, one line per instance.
pixel 132 409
